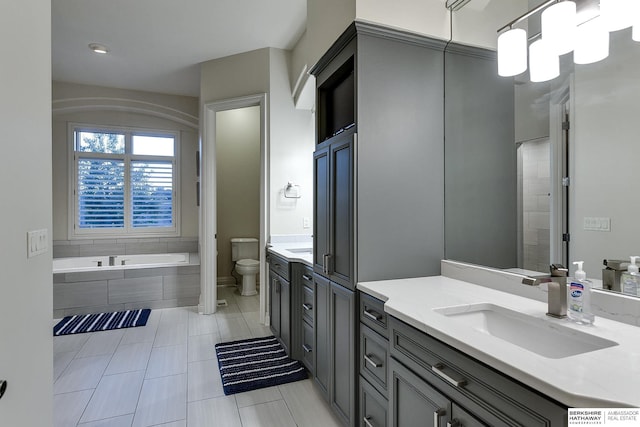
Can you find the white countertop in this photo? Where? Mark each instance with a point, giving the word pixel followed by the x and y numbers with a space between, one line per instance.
pixel 282 249
pixel 604 378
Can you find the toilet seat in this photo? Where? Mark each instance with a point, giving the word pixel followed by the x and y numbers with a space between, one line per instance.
pixel 248 263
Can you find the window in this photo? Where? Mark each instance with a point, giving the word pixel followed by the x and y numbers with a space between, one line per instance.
pixel 124 182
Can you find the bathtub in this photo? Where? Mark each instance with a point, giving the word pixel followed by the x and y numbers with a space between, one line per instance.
pixel 101 263
pixel 81 286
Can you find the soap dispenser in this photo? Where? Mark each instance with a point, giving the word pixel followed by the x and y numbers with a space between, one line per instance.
pixel 580 297
pixel 630 280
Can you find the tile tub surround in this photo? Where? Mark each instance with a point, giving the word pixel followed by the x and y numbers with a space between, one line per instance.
pixel 109 290
pixel 601 378
pixel 106 247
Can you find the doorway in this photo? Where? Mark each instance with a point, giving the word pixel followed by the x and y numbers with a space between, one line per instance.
pixel 215 116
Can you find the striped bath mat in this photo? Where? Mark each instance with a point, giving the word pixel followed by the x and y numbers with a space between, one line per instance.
pixel 101 322
pixel 256 363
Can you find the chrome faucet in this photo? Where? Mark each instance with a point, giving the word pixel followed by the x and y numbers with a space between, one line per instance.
pixel 112 260
pixel 557 285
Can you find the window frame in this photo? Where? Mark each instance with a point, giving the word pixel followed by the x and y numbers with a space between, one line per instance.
pixel 128 231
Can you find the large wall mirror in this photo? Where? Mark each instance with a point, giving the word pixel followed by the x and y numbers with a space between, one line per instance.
pixel 511 145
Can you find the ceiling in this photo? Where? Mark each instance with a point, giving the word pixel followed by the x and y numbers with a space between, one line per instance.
pixel 156 45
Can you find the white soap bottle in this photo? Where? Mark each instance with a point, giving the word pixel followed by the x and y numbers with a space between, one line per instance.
pixel 630 280
pixel 579 309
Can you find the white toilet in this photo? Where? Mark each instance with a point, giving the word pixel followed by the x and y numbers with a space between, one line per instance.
pixel 245 253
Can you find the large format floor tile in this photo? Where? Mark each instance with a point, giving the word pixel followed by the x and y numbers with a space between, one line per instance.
pixel 165 374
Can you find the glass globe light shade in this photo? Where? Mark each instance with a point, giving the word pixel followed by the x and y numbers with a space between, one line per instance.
pixel 559 26
pixel 617 14
pixel 512 52
pixel 592 42
pixel 544 63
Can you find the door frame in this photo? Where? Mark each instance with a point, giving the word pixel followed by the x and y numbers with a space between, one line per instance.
pixel 208 205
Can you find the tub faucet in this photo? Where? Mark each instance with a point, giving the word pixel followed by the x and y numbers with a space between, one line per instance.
pixel 557 286
pixel 112 260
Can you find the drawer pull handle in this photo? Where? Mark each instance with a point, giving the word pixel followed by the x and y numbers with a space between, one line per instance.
pixel 372 362
pixel 367 421
pixel 436 417
pixel 438 369
pixel 454 423
pixel 307 306
pixel 305 277
pixel 277 265
pixel 307 348
pixel 372 315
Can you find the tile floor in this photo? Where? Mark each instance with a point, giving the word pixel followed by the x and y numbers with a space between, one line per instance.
pixel 166 374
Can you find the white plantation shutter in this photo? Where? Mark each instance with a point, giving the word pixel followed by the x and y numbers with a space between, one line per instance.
pixel 125 182
pixel 152 193
pixel 100 193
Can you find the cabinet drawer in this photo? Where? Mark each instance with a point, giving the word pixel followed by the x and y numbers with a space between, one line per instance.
pixel 279 265
pixel 372 314
pixel 491 396
pixel 374 356
pixel 307 346
pixel 307 304
pixel 373 406
pixel 307 276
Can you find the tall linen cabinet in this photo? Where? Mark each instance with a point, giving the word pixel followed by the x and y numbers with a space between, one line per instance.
pixel 379 185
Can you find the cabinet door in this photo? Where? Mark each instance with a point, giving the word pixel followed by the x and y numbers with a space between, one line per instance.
pixel 321 207
pixel 343 352
pixel 413 402
pixel 341 223
pixel 274 303
pixel 285 314
pixel 321 325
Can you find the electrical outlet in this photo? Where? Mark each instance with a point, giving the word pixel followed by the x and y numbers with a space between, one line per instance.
pixel 37 242
pixel 597 223
pixel 306 222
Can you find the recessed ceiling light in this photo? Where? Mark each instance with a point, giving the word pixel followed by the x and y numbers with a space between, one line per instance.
pixel 98 48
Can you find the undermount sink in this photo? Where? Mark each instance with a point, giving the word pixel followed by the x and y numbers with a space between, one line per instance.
pixel 301 250
pixel 541 336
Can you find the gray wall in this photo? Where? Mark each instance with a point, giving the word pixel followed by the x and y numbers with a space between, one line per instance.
pixel 237 179
pixel 25 287
pixel 480 155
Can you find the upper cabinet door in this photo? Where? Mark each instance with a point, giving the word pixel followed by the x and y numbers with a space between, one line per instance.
pixel 321 210
pixel 341 262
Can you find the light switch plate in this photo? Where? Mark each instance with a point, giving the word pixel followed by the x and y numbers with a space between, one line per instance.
pixel 37 242
pixel 306 222
pixel 597 223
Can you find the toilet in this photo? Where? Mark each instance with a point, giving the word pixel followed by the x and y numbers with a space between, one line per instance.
pixel 245 254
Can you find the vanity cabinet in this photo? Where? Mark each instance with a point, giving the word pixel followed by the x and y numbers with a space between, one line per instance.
pixel 302 323
pixel 431 379
pixel 280 300
pixel 373 362
pixel 335 344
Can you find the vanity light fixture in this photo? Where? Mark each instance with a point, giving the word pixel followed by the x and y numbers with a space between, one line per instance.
pixel 544 63
pixel 616 14
pixel 98 48
pixel 558 24
pixel 512 52
pixel 562 33
pixel 592 42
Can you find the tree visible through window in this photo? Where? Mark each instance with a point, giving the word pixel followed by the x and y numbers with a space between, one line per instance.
pixel 125 182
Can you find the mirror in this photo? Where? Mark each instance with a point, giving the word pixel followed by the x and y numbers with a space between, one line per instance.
pixel 506 154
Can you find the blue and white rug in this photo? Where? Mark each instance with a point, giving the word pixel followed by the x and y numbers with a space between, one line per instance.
pixel 256 363
pixel 101 322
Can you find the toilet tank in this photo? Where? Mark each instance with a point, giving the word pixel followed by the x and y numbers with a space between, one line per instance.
pixel 244 248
